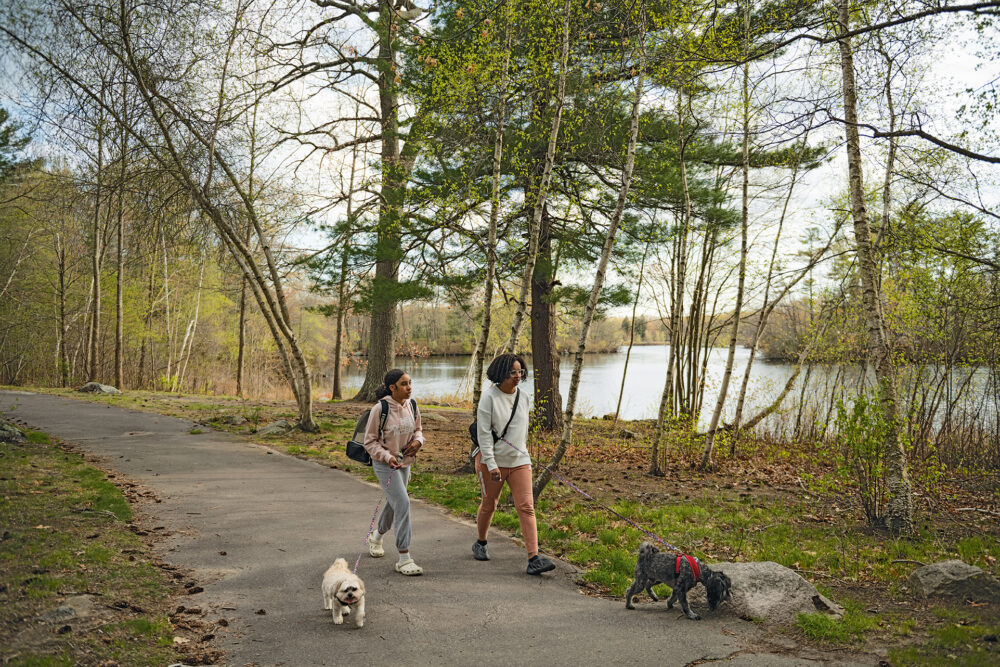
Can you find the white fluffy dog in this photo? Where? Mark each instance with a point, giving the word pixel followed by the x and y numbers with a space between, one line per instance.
pixel 344 593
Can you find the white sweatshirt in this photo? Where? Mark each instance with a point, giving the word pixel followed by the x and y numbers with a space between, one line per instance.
pixel 493 412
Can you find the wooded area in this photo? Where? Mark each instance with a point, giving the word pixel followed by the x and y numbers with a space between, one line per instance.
pixel 235 197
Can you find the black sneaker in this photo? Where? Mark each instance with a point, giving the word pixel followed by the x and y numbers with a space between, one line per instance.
pixel 538 564
pixel 480 552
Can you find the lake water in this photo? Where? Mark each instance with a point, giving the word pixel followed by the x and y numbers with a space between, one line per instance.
pixel 438 377
pixel 435 377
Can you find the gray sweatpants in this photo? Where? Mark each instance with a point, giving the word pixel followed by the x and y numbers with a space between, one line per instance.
pixel 396 513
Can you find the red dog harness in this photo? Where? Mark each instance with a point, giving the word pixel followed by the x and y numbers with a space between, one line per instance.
pixel 693 562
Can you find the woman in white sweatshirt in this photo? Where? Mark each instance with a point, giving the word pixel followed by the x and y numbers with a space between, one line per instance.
pixel 502 418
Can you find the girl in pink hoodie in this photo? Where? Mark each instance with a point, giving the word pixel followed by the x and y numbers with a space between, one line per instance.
pixel 393 452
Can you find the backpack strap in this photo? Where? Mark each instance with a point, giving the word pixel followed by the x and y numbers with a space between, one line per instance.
pixel 385 415
pixel 413 402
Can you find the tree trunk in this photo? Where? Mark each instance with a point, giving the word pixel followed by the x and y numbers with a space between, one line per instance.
pixel 140 381
pixel 388 251
pixel 192 329
pixel 242 344
pixel 62 354
pixel 674 362
pixel 595 292
pixel 899 506
pixel 766 307
pixel 94 347
pixel 544 353
pixel 706 458
pixel 543 187
pixel 120 241
pixel 337 391
pixel 491 238
pixel 166 315
pixel 631 332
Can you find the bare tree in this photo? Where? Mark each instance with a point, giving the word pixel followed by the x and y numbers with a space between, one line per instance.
pixel 899 507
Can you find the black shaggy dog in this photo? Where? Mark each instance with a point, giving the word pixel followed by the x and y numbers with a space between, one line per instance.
pixel 677 571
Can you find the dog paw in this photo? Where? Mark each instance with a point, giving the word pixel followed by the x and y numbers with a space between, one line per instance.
pixel 338 620
pixel 694 617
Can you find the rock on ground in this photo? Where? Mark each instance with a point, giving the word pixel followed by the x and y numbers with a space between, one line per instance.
pixel 768 591
pixel 98 388
pixel 10 433
pixel 955 578
pixel 279 427
pixel 78 606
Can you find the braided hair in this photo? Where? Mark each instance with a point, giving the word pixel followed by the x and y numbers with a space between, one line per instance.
pixel 391 378
pixel 500 367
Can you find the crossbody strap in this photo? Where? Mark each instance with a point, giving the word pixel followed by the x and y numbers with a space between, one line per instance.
pixel 517 398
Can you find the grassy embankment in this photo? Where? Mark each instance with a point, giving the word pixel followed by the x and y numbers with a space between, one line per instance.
pixel 760 506
pixel 67 538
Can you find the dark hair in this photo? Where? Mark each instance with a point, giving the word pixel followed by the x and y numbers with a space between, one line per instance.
pixel 500 367
pixel 391 378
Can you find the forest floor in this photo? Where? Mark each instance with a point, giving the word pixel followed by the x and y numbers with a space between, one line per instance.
pixel 770 501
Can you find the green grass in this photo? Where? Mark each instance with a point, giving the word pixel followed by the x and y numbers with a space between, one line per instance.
pixel 969 642
pixel 65 532
pixel 851 628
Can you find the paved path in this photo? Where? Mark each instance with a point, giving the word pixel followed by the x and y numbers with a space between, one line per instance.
pixel 281 521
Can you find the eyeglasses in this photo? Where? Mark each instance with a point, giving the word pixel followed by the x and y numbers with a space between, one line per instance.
pixel 515 372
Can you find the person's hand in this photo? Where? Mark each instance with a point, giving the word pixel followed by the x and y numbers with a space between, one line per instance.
pixel 412 448
pixel 495 475
pixel 395 463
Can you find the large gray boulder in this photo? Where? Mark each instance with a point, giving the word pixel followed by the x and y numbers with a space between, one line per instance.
pixel 956 579
pixel 769 592
pixel 98 388
pixel 279 427
pixel 10 433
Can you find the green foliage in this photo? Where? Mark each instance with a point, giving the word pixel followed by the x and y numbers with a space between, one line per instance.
pixel 862 432
pixel 12 142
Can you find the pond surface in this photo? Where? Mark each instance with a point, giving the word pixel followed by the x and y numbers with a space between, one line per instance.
pixel 601 380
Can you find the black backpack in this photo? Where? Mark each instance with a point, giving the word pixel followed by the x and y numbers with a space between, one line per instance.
pixel 355 449
pixel 474 428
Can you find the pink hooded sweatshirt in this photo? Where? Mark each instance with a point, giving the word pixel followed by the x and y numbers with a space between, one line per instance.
pixel 401 428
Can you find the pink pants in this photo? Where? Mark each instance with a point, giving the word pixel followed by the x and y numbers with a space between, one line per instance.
pixel 519 481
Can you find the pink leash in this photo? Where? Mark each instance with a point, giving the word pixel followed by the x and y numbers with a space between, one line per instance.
pixel 595 501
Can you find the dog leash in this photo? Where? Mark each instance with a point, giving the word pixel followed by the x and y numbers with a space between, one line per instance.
pixel 597 502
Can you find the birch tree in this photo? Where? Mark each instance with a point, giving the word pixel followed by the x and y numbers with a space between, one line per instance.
pixel 899 507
